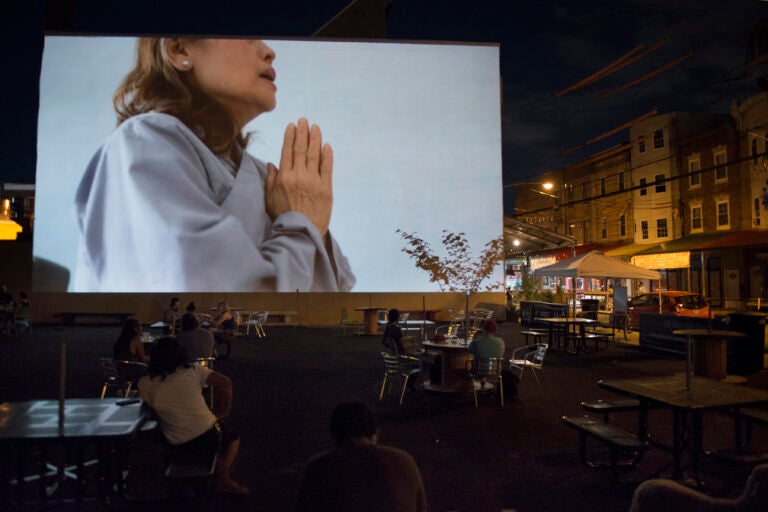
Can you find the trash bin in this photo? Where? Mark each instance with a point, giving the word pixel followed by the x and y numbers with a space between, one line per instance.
pixel 745 355
pixel 589 308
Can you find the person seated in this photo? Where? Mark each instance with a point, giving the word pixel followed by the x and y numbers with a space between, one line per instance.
pixel 223 315
pixel 196 341
pixel 6 298
pixel 223 323
pixel 393 337
pixel 358 473
pixel 171 316
pixel 22 314
pixel 487 345
pixel 173 390
pixel 6 311
pixel 129 345
pixel 191 308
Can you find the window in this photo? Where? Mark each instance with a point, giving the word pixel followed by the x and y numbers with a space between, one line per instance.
pixel 754 151
pixel 756 219
pixel 696 222
pixel 722 215
pixel 661 185
pixel 641 144
pixel 621 181
pixel 661 228
pixel 658 139
pixel 644 229
pixel 623 226
pixel 694 176
pixel 585 189
pixel 643 191
pixel 604 228
pixel 721 170
pixel 602 186
pixel 586 226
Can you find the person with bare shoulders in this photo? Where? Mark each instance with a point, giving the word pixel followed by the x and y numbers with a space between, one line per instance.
pixel 130 345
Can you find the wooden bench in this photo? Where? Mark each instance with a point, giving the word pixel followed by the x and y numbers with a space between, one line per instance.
pixel 94 317
pixel 596 338
pixel 617 440
pixel 753 415
pixel 277 317
pixel 742 460
pixel 536 335
pixel 606 407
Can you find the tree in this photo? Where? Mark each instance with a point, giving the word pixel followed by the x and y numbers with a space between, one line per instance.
pixel 457 271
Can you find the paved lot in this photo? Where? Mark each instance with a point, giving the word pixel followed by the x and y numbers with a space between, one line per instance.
pixel 487 459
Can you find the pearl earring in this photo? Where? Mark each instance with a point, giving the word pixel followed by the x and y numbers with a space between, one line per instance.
pixel 185 63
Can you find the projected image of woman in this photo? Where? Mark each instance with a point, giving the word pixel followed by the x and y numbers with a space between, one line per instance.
pixel 173 202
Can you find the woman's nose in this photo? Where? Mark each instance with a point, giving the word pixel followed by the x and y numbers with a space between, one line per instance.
pixel 269 53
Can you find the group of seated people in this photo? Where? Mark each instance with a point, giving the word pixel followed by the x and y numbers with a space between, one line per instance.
pixel 221 324
pixel 484 345
pixel 357 474
pixel 173 386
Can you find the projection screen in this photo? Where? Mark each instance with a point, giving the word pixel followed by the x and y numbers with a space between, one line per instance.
pixel 416 136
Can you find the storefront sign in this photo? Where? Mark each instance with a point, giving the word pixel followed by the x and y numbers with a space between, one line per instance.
pixel 541 261
pixel 664 260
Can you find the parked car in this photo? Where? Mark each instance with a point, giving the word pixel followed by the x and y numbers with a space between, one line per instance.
pixel 672 303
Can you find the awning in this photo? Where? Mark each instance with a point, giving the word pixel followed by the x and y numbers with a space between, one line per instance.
pixel 686 243
pixel 629 250
pixel 673 254
pixel 750 238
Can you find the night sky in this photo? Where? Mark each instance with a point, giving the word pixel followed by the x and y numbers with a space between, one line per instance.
pixel 545 47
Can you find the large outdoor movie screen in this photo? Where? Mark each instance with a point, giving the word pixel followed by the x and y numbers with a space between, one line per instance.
pixel 143 184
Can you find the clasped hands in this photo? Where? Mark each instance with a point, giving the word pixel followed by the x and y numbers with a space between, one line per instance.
pixel 303 183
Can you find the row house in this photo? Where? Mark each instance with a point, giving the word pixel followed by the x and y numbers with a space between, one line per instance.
pixel 687 196
pixel 587 203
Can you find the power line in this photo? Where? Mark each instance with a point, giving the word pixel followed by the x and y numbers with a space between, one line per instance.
pixel 647 185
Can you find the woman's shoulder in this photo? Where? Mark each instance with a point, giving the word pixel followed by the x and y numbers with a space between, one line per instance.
pixel 154 127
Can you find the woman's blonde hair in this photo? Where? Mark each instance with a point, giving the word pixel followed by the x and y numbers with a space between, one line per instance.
pixel 154 85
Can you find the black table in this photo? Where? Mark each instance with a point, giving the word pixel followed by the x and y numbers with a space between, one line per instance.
pixel 700 395
pixel 574 328
pixel 32 428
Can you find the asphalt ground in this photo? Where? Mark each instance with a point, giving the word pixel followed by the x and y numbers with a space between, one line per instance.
pixel 519 457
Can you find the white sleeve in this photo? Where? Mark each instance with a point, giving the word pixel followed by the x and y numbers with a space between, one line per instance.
pixel 202 373
pixel 150 220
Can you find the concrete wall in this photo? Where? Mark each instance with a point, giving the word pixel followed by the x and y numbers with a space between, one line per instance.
pixel 313 309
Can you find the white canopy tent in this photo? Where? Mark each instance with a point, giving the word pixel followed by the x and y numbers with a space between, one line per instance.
pixel 597 265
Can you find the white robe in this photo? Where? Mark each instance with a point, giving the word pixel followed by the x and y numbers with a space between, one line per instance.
pixel 159 212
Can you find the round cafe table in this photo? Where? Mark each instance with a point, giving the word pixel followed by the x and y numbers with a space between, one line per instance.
pixel 707 351
pixel 453 362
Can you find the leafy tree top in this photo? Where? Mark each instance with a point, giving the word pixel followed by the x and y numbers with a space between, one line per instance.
pixel 457 271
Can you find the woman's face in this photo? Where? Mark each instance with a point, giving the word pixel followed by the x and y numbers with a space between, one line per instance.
pixel 236 72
